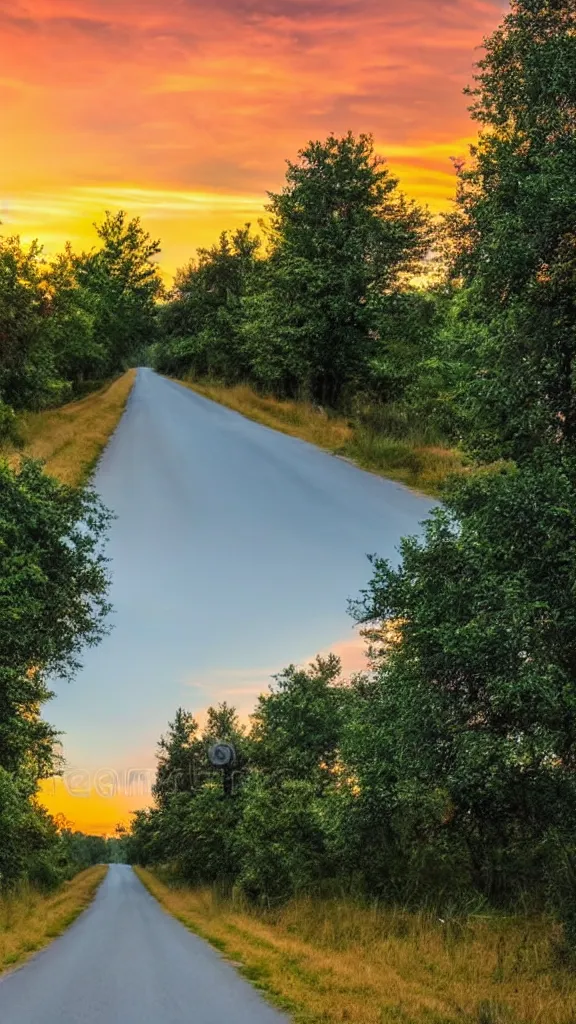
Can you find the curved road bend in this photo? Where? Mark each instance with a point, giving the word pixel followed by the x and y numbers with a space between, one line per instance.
pixel 234 552
pixel 126 961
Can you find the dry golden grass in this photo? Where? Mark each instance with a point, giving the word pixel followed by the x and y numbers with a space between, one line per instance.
pixel 29 920
pixel 299 419
pixel 410 462
pixel 333 961
pixel 70 439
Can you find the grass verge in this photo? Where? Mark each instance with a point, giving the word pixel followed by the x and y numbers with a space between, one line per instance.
pixel 409 461
pixel 333 961
pixel 30 919
pixel 70 439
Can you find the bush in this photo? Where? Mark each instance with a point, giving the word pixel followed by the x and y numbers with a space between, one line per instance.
pixel 8 425
pixel 280 841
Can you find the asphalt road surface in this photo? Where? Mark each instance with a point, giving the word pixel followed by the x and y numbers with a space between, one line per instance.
pixel 125 961
pixel 234 552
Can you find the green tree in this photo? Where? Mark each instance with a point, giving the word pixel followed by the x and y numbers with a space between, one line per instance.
pixel 28 375
pixel 203 319
pixel 470 732
pixel 342 235
pixel 463 753
pixel 53 585
pixel 124 279
pixel 183 763
pixel 30 845
pixel 52 603
pixel 514 235
pixel 70 324
pixel 280 841
pixel 179 758
pixel 198 834
pixel 296 727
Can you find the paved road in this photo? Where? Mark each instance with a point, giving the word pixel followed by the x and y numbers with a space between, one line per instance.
pixel 125 961
pixel 234 552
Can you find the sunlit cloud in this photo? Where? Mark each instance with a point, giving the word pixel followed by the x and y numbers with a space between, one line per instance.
pixel 81 201
pixel 188 219
pixel 185 115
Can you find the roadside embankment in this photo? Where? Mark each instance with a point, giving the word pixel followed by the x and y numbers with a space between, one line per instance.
pixel 334 961
pixel 70 438
pixel 407 460
pixel 29 919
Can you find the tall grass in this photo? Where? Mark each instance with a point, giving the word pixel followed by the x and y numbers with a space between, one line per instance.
pixel 29 919
pixel 70 439
pixel 382 439
pixel 335 960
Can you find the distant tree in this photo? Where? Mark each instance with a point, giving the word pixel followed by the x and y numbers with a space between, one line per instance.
pixel 125 281
pixel 81 851
pixel 203 319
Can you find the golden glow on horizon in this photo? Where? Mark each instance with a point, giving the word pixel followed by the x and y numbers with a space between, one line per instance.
pixel 91 812
pixel 177 216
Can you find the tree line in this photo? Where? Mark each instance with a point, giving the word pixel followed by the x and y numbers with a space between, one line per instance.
pixel 71 322
pixel 446 773
pixel 65 325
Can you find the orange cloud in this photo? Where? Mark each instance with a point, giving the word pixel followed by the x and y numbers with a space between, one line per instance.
pixel 133 100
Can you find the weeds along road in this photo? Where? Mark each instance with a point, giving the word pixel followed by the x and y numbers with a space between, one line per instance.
pixel 125 961
pixel 234 553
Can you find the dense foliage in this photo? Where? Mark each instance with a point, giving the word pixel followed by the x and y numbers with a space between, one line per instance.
pixel 514 236
pixel 53 584
pixel 64 325
pixel 446 773
pixel 73 320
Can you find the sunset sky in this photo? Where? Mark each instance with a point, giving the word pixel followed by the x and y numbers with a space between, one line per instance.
pixel 184 112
